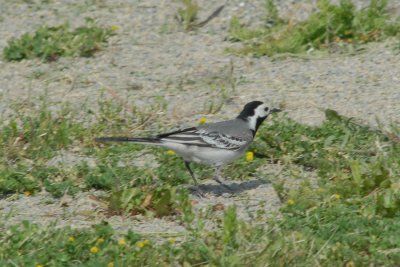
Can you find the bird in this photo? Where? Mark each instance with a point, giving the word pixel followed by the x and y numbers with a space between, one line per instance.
pixel 215 144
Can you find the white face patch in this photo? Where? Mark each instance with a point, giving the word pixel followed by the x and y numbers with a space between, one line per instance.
pixel 259 112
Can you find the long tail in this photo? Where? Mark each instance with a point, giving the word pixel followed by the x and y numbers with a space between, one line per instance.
pixel 150 141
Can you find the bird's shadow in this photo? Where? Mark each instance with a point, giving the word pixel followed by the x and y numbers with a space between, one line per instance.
pixel 228 188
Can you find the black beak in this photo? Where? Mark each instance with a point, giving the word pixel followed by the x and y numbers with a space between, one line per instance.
pixel 275 110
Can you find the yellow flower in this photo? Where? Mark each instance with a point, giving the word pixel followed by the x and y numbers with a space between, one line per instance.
pixel 249 156
pixel 171 152
pixel 140 244
pixel 122 242
pixel 110 264
pixel 114 28
pixel 290 201
pixel 27 193
pixel 100 240
pixel 39 265
pixel 71 239
pixel 337 196
pixel 172 241
pixel 202 120
pixel 94 250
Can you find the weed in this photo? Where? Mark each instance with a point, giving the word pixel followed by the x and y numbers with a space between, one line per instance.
pixel 239 33
pixel 351 160
pixel 349 215
pixel 187 15
pixel 272 12
pixel 332 25
pixel 50 43
pixel 156 200
pixel 230 228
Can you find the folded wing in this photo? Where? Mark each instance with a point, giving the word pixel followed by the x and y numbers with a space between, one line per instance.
pixel 203 138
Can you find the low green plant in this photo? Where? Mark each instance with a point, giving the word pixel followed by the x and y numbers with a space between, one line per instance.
pixel 158 200
pixel 332 25
pixel 331 234
pixel 349 215
pixel 187 14
pixel 272 13
pixel 35 135
pixel 239 33
pixel 50 43
pixel 352 161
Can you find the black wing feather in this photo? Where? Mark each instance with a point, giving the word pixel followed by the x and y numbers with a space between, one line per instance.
pixel 176 132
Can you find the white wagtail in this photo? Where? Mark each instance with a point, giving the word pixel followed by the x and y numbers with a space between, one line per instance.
pixel 215 144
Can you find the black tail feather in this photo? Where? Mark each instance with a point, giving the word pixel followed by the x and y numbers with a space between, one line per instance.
pixel 128 139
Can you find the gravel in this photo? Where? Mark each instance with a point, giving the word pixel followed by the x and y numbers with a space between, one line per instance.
pixel 251 198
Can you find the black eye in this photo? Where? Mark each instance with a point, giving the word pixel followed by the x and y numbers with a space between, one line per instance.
pixel 266 109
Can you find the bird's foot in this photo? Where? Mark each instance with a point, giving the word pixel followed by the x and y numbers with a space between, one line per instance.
pixel 195 190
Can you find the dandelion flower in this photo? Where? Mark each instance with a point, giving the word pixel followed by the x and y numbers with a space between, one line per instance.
pixel 100 240
pixel 71 239
pixel 110 264
pixel 290 201
pixel 337 196
pixel 122 242
pixel 202 120
pixel 114 28
pixel 94 250
pixel 171 152
pixel 39 265
pixel 249 156
pixel 142 244
pixel 172 241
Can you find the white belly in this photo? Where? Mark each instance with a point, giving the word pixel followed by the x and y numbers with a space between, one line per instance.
pixel 205 155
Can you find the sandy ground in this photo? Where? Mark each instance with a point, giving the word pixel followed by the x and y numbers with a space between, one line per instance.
pixel 152 57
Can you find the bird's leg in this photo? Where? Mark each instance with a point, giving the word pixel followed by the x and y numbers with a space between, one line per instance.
pixel 198 190
pixel 217 178
pixel 187 164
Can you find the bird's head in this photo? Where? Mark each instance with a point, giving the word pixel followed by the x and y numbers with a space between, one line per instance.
pixel 255 113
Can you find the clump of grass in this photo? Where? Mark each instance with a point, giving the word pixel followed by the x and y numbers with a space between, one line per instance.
pixel 353 162
pixel 327 236
pixel 350 215
pixel 332 25
pixel 34 135
pixel 239 33
pixel 187 14
pixel 331 234
pixel 158 200
pixel 51 43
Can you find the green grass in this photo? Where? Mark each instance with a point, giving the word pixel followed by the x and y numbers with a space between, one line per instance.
pixel 187 15
pixel 348 216
pixel 51 43
pixel 332 26
pixel 332 235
